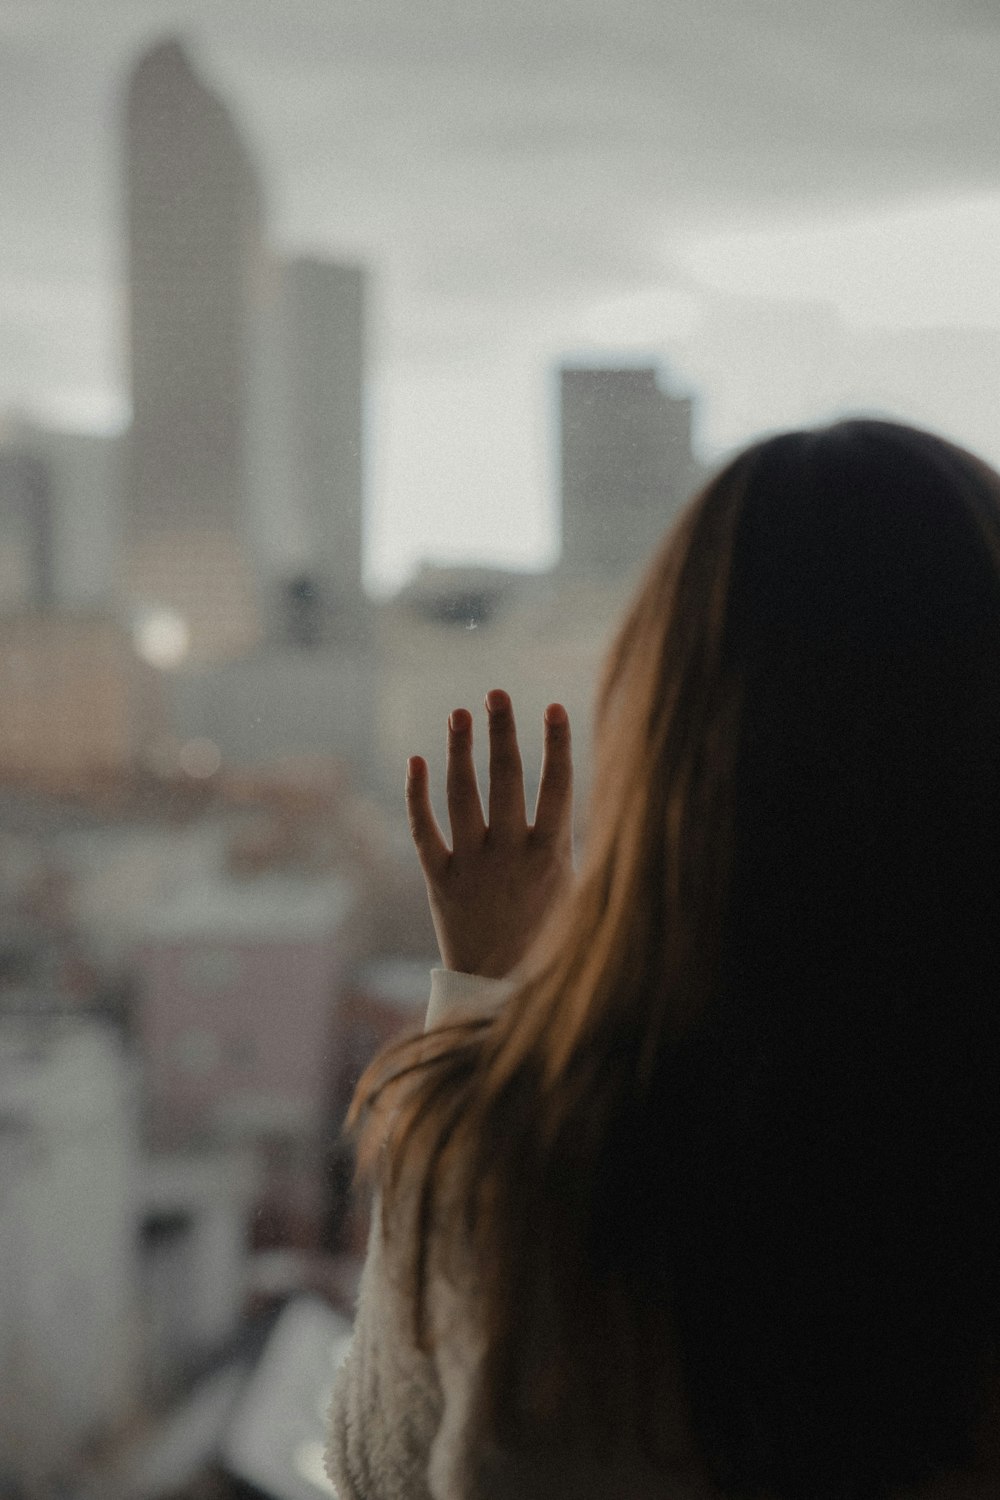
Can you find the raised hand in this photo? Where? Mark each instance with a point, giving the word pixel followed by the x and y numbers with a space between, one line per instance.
pixel 490 892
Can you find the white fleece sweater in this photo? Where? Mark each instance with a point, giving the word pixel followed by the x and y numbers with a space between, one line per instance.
pixel 403 1424
pixel 388 1409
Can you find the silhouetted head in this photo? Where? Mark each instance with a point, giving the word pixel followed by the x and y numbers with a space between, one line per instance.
pixel 798 726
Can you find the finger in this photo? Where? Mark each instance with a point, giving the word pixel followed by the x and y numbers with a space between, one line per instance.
pixel 465 810
pixel 432 850
pixel 554 807
pixel 507 816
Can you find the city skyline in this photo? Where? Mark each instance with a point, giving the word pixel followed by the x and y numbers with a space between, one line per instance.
pixel 522 266
pixel 555 187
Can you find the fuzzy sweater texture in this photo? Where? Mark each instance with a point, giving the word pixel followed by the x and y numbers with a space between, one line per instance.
pixel 397 1413
pixel 403 1424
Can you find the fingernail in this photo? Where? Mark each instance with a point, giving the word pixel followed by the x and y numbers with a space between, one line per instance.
pixel 459 719
pixel 496 700
pixel 556 715
pixel 411 767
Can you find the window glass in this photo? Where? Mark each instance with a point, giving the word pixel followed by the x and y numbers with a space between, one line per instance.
pixel 352 362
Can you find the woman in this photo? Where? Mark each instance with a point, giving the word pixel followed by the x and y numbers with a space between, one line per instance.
pixel 691 1188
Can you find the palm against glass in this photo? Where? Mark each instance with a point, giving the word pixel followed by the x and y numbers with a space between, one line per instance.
pixel 491 891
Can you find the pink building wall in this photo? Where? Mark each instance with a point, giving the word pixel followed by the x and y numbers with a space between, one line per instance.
pixel 238 1033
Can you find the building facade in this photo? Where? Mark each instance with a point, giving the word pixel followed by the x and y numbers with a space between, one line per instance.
pixel 27 539
pixel 69 1330
pixel 77 698
pixel 196 265
pixel 322 307
pixel 626 467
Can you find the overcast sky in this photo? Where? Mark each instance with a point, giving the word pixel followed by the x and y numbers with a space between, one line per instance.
pixel 794 205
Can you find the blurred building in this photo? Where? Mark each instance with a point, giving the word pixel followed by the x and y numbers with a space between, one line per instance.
pixel 193 1212
pixel 627 466
pixel 69 1331
pixel 322 347
pixel 85 482
pixel 27 528
pixel 237 987
pixel 196 264
pixel 278 701
pixel 76 697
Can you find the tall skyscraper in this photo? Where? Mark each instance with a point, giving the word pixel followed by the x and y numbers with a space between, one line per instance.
pixel 309 452
pixel 627 466
pixel 321 346
pixel 196 263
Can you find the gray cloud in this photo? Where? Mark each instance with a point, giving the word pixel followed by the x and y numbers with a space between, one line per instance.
pixel 490 156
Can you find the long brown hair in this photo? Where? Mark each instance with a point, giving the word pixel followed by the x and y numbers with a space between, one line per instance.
pixel 737 1134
